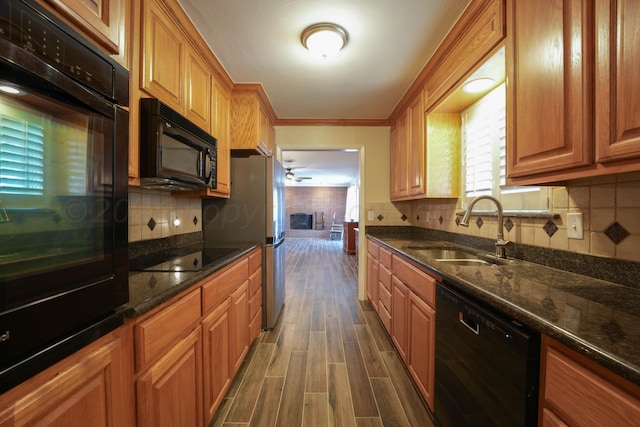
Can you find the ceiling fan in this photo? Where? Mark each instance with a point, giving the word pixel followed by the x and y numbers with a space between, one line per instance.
pixel 291 177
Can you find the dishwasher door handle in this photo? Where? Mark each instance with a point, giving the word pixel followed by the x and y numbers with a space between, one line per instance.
pixel 469 324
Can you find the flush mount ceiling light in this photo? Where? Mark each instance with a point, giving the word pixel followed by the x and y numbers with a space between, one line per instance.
pixel 477 85
pixel 324 39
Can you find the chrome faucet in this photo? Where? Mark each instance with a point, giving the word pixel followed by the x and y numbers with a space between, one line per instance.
pixel 500 242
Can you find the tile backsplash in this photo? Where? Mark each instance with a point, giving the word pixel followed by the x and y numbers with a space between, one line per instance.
pixel 610 208
pixel 150 210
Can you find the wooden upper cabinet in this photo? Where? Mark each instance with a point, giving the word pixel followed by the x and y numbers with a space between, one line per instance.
pixel 251 120
pixel 198 90
pixel 416 147
pixel 617 102
pixel 163 50
pixel 572 99
pixel 220 125
pixel 104 21
pixel 398 158
pixel 549 92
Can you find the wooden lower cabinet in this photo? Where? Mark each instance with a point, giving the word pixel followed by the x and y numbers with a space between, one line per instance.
pixel 169 393
pixel 239 321
pixel 399 325
pixel 406 307
pixel 88 388
pixel 576 391
pixel 421 351
pixel 216 349
pixel 183 380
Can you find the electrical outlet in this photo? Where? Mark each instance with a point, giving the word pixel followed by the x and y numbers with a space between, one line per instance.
pixel 369 215
pixel 575 229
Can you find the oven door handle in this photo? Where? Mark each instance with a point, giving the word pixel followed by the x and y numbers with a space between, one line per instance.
pixel 469 324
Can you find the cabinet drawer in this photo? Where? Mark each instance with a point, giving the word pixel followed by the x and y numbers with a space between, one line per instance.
pixel 385 277
pixel 255 282
pixel 255 302
pixel 219 287
pixel 420 282
pixel 385 317
pixel 385 298
pixel 582 397
pixel 255 326
pixel 372 248
pixel 156 334
pixel 385 257
pixel 255 260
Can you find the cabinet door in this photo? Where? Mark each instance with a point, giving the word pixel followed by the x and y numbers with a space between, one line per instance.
pixel 421 358
pixel 217 376
pixel 398 157
pixel 221 105
pixel 162 56
pixel 239 320
pixel 266 144
pixel 372 281
pixel 170 392
pixel 88 393
pixel 399 327
pixel 617 103
pixel 198 90
pixel 582 395
pixel 416 158
pixel 549 122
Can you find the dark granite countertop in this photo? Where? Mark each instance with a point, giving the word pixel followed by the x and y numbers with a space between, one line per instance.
pixel 147 290
pixel 598 319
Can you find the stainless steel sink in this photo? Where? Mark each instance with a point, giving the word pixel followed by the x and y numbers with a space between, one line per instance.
pixel 454 256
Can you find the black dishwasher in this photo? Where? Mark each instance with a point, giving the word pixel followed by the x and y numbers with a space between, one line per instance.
pixel 486 370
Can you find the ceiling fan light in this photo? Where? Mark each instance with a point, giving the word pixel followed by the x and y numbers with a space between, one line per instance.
pixel 324 39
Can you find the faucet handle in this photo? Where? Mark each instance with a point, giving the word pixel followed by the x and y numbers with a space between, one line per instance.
pixel 501 246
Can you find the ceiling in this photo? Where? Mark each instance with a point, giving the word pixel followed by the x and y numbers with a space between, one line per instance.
pixel 390 41
pixel 326 168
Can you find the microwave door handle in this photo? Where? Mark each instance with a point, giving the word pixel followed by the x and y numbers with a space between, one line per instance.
pixel 199 165
pixel 208 166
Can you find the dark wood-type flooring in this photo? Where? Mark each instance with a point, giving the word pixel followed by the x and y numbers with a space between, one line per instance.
pixel 328 361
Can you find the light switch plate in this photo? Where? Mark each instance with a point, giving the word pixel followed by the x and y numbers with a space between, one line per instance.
pixel 575 229
pixel 369 215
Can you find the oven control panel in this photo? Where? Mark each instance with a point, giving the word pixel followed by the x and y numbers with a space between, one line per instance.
pixel 26 26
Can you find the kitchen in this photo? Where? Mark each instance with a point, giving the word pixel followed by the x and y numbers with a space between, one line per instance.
pixel 598 190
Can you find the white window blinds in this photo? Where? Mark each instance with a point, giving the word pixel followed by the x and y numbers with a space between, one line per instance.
pixel 484 156
pixel 484 144
pixel 21 157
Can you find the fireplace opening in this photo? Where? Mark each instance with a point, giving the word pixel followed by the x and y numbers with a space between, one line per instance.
pixel 301 221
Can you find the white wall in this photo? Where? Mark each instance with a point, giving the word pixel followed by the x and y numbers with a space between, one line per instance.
pixel 373 143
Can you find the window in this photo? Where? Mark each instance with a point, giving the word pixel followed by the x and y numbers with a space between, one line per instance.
pixel 21 157
pixel 484 157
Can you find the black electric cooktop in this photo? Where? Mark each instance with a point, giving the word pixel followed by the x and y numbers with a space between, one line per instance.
pixel 188 258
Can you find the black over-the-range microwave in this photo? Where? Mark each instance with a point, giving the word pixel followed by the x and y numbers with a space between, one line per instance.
pixel 176 154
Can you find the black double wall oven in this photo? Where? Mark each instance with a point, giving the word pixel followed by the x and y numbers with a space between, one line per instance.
pixel 63 191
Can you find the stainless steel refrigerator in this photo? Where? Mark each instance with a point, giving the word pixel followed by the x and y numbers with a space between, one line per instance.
pixel 255 212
